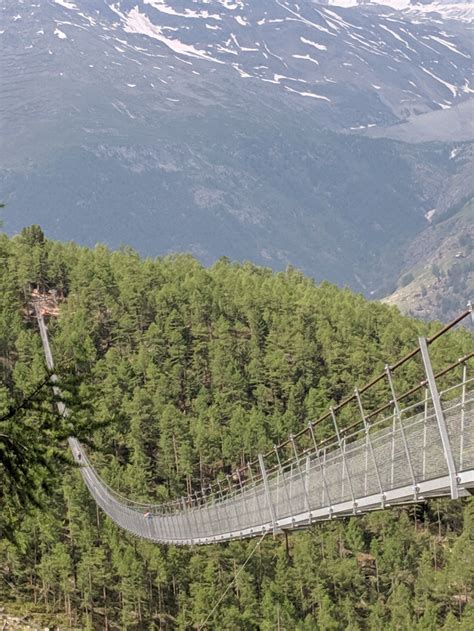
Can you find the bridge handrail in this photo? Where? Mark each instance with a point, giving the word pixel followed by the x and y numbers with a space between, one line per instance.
pixel 331 447
pixel 213 491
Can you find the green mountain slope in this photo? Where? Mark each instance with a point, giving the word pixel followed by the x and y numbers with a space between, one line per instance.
pixel 196 369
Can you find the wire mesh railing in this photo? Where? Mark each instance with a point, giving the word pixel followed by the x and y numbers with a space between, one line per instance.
pixel 320 486
pixel 416 444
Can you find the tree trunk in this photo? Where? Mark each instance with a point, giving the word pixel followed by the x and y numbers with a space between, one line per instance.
pixel 106 617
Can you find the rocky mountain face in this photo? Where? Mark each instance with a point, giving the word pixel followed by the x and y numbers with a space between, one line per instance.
pixel 282 132
pixel 438 278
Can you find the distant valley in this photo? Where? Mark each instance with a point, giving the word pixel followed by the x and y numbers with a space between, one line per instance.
pixel 305 134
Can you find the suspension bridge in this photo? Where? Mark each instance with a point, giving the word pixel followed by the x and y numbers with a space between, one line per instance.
pixel 418 445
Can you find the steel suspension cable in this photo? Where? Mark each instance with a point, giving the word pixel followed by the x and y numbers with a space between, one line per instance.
pixel 201 626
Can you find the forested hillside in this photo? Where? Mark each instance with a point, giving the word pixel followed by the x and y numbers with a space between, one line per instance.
pixel 181 373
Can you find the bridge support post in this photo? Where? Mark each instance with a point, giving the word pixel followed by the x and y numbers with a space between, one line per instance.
pixel 398 415
pixel 443 431
pixel 224 507
pixel 322 467
pixel 243 499
pixel 392 453
pixel 425 432
pixel 212 502
pixel 304 477
pixel 185 513
pixel 267 492
pixel 232 500
pixel 255 496
pixel 463 414
pixel 306 482
pixel 282 474
pixel 369 446
pixel 342 448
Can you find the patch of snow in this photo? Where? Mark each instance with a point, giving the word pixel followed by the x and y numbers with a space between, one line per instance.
pixel 452 88
pixel 395 4
pixel 307 58
pixel 60 34
pixel 231 5
pixel 241 72
pixel 347 4
pixel 443 106
pixel 314 44
pixel 449 45
pixel 273 54
pixel 462 11
pixel 466 88
pixel 91 21
pixel 369 46
pixel 310 94
pixel 136 22
pixel 397 37
pixel 222 49
pixel 300 18
pixel 243 48
pixel 160 5
pixel 66 4
pixel 120 107
pixel 344 23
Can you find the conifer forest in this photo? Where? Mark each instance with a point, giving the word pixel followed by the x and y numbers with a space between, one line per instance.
pixel 175 374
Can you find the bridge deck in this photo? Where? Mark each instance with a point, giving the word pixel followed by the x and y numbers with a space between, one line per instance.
pixel 424 450
pixel 317 488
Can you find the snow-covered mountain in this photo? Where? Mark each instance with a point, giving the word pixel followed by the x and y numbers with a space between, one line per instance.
pixel 236 126
pixel 361 66
pixel 445 9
